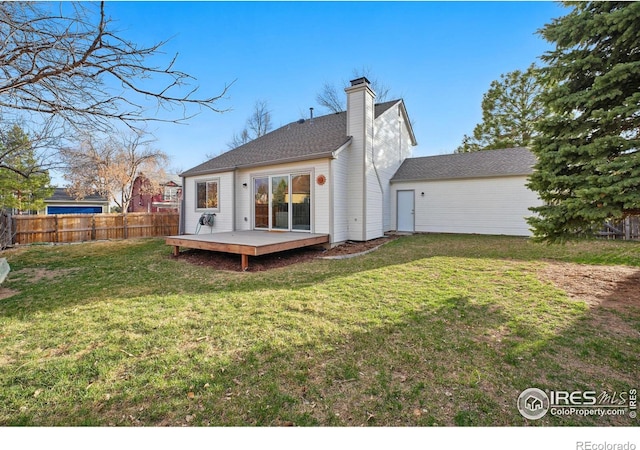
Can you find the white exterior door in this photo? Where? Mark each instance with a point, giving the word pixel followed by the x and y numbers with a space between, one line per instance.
pixel 406 211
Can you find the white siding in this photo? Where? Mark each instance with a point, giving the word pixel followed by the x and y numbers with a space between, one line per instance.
pixel 339 184
pixel 320 216
pixel 374 182
pixel 224 213
pixel 391 146
pixel 480 206
pixel 359 104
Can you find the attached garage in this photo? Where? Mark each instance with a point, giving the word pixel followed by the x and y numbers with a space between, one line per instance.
pixel 480 193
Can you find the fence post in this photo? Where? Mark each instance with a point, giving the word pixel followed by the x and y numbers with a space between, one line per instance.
pixel 125 231
pixel 6 232
pixel 627 228
pixel 56 236
pixel 93 227
pixel 14 229
pixel 11 226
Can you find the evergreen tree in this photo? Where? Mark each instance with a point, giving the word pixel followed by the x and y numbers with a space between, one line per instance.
pixel 510 109
pixel 17 191
pixel 588 150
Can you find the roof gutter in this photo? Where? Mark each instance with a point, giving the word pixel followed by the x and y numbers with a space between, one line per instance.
pixel 336 152
pixel 414 180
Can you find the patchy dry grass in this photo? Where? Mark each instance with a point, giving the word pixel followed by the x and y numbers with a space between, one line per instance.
pixel 428 330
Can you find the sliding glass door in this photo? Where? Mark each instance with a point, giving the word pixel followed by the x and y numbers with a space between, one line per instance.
pixel 261 202
pixel 282 202
pixel 301 202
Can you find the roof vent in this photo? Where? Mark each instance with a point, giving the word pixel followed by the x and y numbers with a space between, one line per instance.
pixel 301 121
pixel 361 80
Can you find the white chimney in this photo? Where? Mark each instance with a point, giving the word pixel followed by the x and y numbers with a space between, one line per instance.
pixel 360 115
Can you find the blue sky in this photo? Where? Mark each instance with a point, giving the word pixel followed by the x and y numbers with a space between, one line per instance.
pixel 440 57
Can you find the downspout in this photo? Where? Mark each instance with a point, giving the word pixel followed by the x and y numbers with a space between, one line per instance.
pixel 400 159
pixel 181 222
pixel 233 207
pixel 375 169
pixel 331 202
pixel 364 167
pixel 373 153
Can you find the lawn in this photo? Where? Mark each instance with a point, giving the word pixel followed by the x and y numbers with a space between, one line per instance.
pixel 427 330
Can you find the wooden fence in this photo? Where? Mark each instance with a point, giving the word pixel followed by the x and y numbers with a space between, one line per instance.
pixel 6 229
pixel 92 227
pixel 627 228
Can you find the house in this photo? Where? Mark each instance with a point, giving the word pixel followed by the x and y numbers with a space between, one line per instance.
pixel 479 192
pixel 350 176
pixel 165 199
pixel 63 203
pixel 329 174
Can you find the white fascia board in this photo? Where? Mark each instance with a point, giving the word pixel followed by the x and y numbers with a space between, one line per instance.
pixel 337 151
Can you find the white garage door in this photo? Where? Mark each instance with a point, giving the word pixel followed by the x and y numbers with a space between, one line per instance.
pixel 480 206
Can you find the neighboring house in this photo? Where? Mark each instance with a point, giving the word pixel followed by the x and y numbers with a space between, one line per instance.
pixel 63 203
pixel 479 192
pixel 167 199
pixel 350 175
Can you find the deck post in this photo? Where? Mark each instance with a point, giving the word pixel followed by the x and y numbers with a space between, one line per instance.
pixel 176 250
pixel 245 262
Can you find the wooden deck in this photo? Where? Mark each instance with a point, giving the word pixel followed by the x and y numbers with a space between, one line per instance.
pixel 246 243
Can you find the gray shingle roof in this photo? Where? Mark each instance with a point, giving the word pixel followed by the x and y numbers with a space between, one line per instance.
pixel 62 195
pixel 293 142
pixel 486 163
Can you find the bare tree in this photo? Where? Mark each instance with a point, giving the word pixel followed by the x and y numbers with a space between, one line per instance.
pixel 239 139
pixel 333 98
pixel 258 124
pixel 64 67
pixel 110 167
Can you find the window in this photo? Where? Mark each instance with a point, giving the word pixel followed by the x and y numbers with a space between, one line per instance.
pixel 170 194
pixel 207 194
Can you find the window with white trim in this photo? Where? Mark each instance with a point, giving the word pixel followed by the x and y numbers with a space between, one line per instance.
pixel 170 194
pixel 207 194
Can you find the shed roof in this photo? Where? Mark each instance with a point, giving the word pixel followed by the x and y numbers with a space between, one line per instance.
pixel 485 163
pixel 296 141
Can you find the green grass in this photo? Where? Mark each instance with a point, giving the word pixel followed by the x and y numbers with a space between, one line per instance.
pixel 428 330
